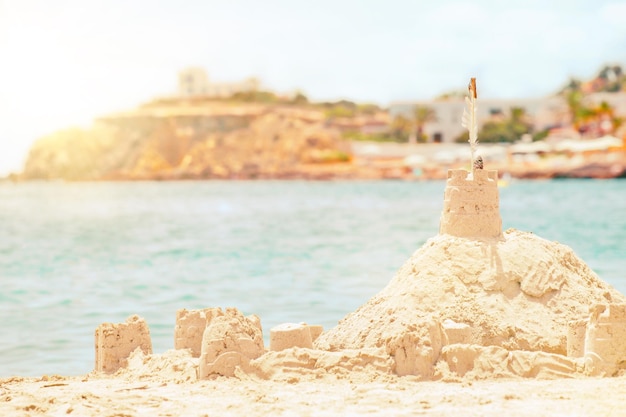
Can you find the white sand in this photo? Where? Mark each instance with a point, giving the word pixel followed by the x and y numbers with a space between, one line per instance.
pixel 392 396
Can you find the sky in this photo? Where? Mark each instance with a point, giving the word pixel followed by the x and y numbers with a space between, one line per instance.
pixel 65 62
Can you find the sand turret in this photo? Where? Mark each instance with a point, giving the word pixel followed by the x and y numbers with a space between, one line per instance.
pixel 471 205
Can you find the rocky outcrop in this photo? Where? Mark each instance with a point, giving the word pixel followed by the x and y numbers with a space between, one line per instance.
pixel 191 142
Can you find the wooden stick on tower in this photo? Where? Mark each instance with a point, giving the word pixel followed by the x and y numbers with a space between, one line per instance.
pixel 469 122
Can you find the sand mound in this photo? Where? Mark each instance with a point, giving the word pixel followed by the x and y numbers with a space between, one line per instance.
pixel 175 366
pixel 518 292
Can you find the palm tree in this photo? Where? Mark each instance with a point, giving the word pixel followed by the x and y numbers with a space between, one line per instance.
pixel 518 114
pixel 579 113
pixel 421 116
pixel 401 127
pixel 605 113
pixel 574 102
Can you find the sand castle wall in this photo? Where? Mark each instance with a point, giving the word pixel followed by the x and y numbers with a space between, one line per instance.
pixel 190 326
pixel 288 335
pixel 115 342
pixel 231 340
pixel 605 350
pixel 471 205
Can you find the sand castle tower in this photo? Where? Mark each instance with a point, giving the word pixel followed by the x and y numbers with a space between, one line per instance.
pixel 471 205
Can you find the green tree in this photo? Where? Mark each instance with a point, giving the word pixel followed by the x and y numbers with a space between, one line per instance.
pixel 605 111
pixel 341 108
pixel 421 116
pixel 506 130
pixel 300 98
pixel 255 97
pixel 578 111
pixel 401 128
pixel 367 108
pixel 580 114
pixel 518 123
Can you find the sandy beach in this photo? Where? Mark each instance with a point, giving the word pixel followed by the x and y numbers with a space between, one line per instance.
pixel 384 396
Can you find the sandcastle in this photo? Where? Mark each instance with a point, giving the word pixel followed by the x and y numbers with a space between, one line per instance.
pixel 221 340
pixel 473 302
pixel 115 342
pixel 471 206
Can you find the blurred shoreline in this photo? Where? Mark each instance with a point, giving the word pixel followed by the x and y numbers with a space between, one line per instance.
pixel 432 161
pixel 231 139
pixel 400 161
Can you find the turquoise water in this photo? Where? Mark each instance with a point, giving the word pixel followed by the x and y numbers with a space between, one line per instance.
pixel 75 255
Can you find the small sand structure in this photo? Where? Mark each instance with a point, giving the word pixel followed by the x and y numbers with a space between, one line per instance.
pixel 472 302
pixel 115 342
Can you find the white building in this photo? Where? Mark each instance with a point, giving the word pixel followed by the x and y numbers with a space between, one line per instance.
pixel 194 82
pixel 543 113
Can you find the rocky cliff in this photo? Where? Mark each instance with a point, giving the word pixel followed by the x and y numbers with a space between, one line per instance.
pixel 211 140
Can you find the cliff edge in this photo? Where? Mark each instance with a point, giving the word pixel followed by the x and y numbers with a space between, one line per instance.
pixel 207 141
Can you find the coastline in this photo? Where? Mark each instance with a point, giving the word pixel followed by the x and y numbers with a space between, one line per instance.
pixel 376 161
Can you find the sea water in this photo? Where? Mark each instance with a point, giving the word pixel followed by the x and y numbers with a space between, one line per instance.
pixel 74 255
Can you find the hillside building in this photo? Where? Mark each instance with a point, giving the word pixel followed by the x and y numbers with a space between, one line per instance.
pixel 446 126
pixel 543 113
pixel 195 82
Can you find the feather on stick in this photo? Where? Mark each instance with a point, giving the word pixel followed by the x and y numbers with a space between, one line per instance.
pixel 469 119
